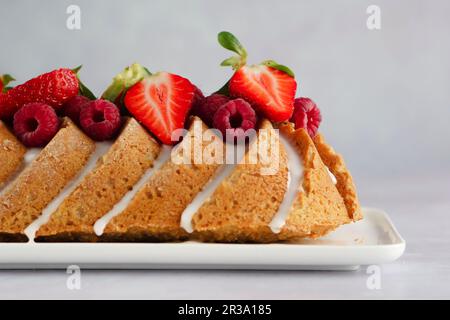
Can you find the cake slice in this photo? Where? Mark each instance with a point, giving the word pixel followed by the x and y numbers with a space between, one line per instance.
pixel 131 155
pixel 12 153
pixel 318 207
pixel 245 202
pixel 56 165
pixel 344 180
pixel 155 211
pixel 300 200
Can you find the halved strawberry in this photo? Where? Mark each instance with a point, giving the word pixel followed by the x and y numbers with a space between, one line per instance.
pixel 270 87
pixel 123 81
pixel 270 91
pixel 161 103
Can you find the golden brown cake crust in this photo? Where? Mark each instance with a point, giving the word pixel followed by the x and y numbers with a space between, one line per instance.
pixel 244 204
pixel 319 208
pixel 11 154
pixel 345 184
pixel 25 198
pixel 114 175
pixel 154 213
pixel 240 210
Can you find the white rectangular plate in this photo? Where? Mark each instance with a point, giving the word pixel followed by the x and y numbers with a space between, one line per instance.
pixel 373 240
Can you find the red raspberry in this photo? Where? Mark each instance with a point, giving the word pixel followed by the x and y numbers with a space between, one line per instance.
pixel 208 107
pixel 73 107
pixel 306 115
pixel 100 119
pixel 36 124
pixel 234 118
pixel 198 98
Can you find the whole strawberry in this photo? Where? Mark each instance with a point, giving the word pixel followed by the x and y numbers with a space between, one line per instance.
pixel 53 88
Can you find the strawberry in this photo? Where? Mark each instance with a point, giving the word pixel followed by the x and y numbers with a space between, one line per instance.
pixel 53 88
pixel 268 86
pixel 270 91
pixel 124 81
pixel 161 103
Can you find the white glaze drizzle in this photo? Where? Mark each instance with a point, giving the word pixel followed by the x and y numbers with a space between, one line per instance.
pixel 101 223
pixel 100 149
pixel 332 176
pixel 221 174
pixel 29 156
pixel 294 185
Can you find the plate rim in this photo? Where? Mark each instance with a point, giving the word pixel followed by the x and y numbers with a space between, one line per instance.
pixel 293 256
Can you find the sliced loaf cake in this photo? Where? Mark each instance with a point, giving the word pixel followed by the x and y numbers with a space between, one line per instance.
pixel 344 180
pixel 56 165
pixel 131 155
pixel 245 202
pixel 11 154
pixel 155 211
pixel 318 207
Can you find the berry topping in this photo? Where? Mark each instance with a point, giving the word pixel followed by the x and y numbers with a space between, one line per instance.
pixel 53 88
pixel 268 86
pixel 100 119
pixel 124 81
pixel 306 115
pixel 208 107
pixel 198 97
pixel 36 124
pixel 73 107
pixel 234 118
pixel 161 103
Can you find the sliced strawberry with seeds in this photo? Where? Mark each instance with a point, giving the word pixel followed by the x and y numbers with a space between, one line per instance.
pixel 269 90
pixel 161 103
pixel 270 87
pixel 123 81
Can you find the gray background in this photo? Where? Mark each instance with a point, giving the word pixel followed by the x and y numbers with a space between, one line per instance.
pixel 384 94
pixel 384 97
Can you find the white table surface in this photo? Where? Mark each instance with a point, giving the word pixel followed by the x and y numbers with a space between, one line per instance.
pixel 419 207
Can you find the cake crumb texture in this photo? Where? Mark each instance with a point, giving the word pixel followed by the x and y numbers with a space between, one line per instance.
pixel 154 213
pixel 11 154
pixel 58 163
pixel 114 175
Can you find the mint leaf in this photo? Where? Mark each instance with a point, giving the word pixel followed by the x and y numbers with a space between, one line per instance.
pixel 125 80
pixel 275 65
pixel 5 80
pixel 230 42
pixel 232 61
